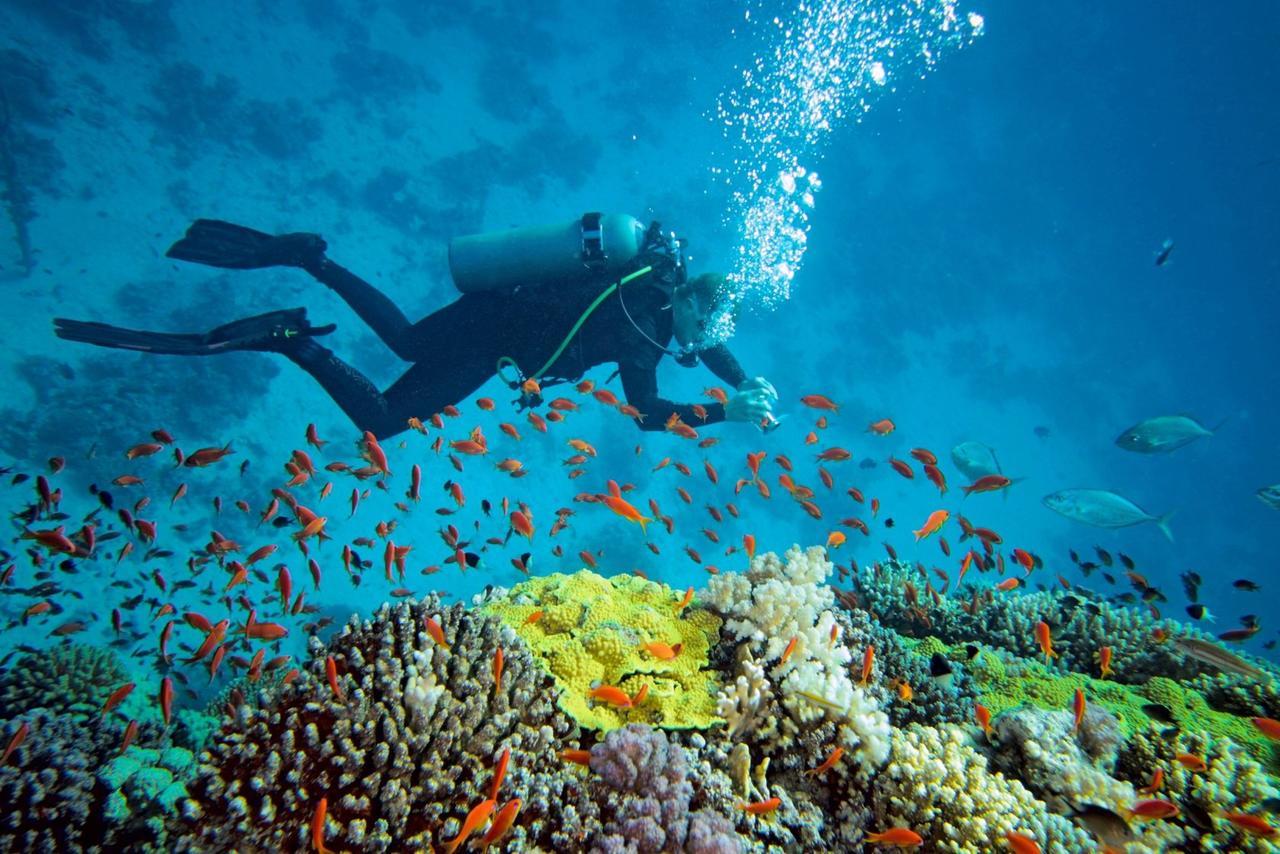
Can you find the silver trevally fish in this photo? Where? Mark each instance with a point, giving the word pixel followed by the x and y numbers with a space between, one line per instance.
pixel 1162 434
pixel 975 460
pixel 1270 496
pixel 1104 509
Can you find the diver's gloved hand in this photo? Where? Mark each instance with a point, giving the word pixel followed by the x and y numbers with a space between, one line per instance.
pixel 753 405
pixel 761 384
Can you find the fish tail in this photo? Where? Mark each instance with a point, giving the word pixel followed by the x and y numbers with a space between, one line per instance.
pixel 1162 523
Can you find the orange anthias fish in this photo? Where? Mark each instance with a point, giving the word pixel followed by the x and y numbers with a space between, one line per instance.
pixel 868 662
pixel 434 630
pixel 625 509
pixel 1020 843
pixel 983 715
pixel 1154 809
pixel 1252 824
pixel 521 524
pixel 835 539
pixel 1104 664
pixel 662 651
pixel 1078 709
pixel 1268 727
pixel 14 743
pixel 761 807
pixel 820 401
pixel 1157 783
pixel 987 483
pixel 791 647
pixel 1008 584
pixel 936 520
pixel 1192 762
pixel 684 602
pixel 1045 640
pixel 612 695
pixel 317 818
pixel 903 837
pixel 883 427
pixel 827 764
pixel 502 822
pixel 331 671
pixel 475 819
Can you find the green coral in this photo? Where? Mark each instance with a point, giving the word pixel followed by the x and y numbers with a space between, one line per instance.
pixel 592 632
pixel 1004 683
pixel 74 679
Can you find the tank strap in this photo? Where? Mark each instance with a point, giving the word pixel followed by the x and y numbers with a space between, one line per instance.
pixel 506 361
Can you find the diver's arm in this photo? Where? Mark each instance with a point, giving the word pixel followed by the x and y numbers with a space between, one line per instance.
pixel 723 365
pixel 640 385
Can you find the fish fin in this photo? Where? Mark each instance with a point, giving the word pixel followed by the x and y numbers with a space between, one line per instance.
pixel 1162 523
pixel 1213 431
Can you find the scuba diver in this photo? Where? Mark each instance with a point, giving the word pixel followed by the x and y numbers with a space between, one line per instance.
pixel 599 289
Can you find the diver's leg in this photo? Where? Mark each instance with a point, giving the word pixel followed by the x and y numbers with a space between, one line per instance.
pixel 423 390
pixel 355 395
pixel 373 306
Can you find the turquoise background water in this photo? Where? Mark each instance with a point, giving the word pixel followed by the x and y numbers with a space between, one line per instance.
pixel 979 265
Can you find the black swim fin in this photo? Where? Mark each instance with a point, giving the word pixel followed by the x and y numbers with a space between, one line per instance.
pixel 216 243
pixel 270 332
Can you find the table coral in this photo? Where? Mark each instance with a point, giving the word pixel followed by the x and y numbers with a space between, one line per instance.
pixel 403 754
pixel 593 631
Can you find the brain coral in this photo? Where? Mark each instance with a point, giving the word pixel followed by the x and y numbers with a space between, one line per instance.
pixel 403 754
pixel 593 631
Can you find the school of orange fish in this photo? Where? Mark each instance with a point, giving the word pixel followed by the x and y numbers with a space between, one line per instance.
pixel 226 633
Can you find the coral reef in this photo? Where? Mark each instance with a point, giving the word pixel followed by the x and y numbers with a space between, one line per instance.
pixel 1040 749
pixel 939 786
pixel 400 750
pixel 1232 782
pixel 783 610
pixel 593 631
pixel 54 797
pixel 1081 626
pixel 646 804
pixel 74 679
pixel 145 786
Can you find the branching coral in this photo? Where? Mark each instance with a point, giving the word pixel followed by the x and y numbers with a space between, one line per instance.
pixel 646 804
pixel 783 608
pixel 940 787
pixel 1041 749
pixel 73 679
pixel 1232 782
pixel 52 797
pixel 402 753
pixel 1080 626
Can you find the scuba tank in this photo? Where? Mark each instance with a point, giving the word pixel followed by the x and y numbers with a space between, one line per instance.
pixel 591 247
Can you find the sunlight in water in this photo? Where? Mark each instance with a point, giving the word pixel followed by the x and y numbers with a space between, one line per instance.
pixel 818 69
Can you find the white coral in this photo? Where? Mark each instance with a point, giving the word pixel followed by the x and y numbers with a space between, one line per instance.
pixel 739 702
pixel 422 690
pixel 778 601
pixel 940 787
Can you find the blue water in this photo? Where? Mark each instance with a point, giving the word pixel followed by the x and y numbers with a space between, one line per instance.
pixel 979 264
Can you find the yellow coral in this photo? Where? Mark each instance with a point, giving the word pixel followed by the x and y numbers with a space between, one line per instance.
pixel 593 631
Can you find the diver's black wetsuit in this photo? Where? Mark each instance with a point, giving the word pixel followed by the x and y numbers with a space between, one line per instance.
pixel 456 349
